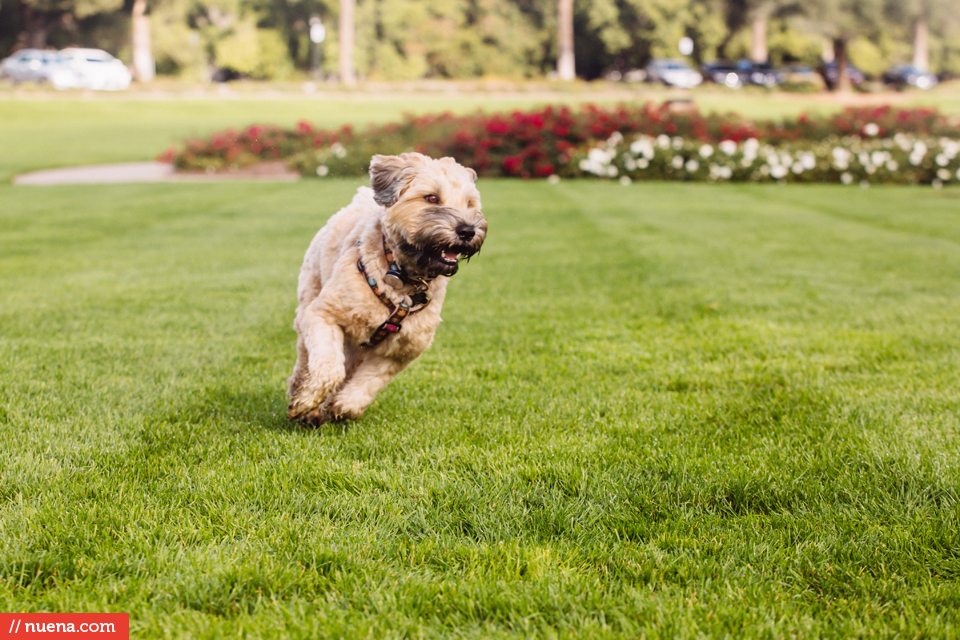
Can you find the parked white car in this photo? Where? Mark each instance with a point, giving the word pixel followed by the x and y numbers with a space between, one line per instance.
pixel 36 65
pixel 96 69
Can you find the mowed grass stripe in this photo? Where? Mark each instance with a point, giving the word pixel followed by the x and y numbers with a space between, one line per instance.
pixel 662 409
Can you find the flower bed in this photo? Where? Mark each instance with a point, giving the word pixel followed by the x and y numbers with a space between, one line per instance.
pixel 559 141
pixel 903 159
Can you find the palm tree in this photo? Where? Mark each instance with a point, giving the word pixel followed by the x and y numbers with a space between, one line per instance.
pixel 565 62
pixel 144 67
pixel 348 75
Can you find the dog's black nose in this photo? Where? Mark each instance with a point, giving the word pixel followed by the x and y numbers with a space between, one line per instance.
pixel 466 232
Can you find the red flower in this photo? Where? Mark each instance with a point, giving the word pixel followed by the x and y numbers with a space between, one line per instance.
pixel 544 170
pixel 168 155
pixel 512 164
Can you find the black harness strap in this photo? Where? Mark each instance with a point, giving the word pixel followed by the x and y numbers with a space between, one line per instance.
pixel 397 313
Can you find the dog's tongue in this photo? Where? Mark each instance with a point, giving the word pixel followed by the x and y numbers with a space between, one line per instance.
pixel 450 255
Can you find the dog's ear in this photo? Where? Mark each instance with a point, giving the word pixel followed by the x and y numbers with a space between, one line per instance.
pixel 453 161
pixel 389 176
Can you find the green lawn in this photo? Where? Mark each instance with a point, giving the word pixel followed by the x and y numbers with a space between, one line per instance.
pixel 662 409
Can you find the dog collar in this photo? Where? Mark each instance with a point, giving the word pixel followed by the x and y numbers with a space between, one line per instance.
pixel 397 312
pixel 395 277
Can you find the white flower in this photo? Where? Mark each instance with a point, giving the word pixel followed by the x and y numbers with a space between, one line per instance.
pixel 678 142
pixel 601 156
pixel 643 163
pixel 746 161
pixel 643 146
pixel 663 141
pixel 879 157
pixel 625 180
pixel 323 170
pixel 630 164
pixel 841 158
pixel 915 159
pixel 808 160
pixel 338 150
pixel 871 129
pixel 726 173
pixel 942 160
pixel 892 165
pixel 919 148
pixel 943 174
pixel 706 151
pixel 677 162
pixel 778 171
pixel 615 138
pixel 846 178
pixel 729 147
pixel 958 174
pixel 612 171
pixel 553 179
pixel 797 168
pixel 692 165
pixel 764 170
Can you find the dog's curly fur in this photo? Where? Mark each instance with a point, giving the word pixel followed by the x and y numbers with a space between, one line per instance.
pixel 427 209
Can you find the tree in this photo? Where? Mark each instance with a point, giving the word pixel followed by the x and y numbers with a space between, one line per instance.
pixel 840 21
pixel 920 15
pixel 40 16
pixel 565 61
pixel 144 67
pixel 759 12
pixel 348 75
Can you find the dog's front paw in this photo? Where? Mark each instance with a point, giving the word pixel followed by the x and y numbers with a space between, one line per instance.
pixel 312 418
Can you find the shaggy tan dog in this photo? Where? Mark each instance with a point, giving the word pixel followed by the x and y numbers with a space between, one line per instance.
pixel 374 279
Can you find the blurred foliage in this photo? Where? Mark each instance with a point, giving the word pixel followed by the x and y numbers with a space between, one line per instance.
pixel 411 39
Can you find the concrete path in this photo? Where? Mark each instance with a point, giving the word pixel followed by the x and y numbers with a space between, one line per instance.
pixel 145 172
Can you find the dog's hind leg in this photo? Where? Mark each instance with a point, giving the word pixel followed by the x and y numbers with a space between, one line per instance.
pixel 322 344
pixel 371 376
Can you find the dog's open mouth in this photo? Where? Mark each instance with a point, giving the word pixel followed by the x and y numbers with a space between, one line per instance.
pixel 450 256
pixel 436 259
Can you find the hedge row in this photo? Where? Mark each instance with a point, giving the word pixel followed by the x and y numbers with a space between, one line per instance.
pixel 557 140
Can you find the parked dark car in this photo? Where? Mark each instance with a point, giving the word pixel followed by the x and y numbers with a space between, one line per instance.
pixel 831 74
pixel 725 72
pixel 761 73
pixel 904 75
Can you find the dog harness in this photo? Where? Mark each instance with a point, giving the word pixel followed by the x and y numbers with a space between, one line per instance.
pixel 394 323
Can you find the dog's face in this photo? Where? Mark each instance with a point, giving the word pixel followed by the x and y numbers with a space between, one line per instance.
pixel 433 211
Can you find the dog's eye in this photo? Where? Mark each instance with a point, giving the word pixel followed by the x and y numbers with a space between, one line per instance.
pixel 432 199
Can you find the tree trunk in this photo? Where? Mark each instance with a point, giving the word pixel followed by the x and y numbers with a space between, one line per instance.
pixel 37 25
pixel 565 62
pixel 921 45
pixel 758 45
pixel 144 67
pixel 843 73
pixel 347 74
